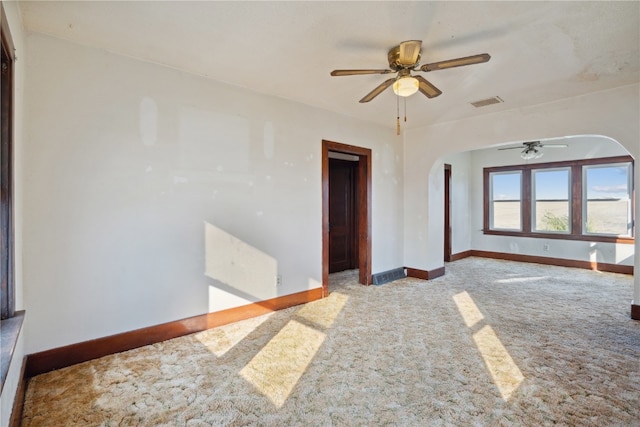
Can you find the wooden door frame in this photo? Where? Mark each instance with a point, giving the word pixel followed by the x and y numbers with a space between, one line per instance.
pixel 364 210
pixel 447 212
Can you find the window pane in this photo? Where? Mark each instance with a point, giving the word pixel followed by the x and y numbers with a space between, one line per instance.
pixel 506 203
pixel 608 199
pixel 551 196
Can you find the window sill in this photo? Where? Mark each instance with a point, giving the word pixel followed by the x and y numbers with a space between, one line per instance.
pixel 559 236
pixel 9 332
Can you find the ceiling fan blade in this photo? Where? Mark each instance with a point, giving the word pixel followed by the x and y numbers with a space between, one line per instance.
pixel 427 89
pixel 409 52
pixel 509 148
pixel 358 72
pixel 378 90
pixel 553 145
pixel 458 62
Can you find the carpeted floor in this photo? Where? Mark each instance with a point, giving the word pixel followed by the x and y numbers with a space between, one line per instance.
pixel 490 343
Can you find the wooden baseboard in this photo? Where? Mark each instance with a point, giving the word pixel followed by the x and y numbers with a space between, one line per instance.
pixel 18 400
pixel 635 312
pixel 418 274
pixel 460 255
pixel 588 265
pixel 436 273
pixel 425 274
pixel 57 358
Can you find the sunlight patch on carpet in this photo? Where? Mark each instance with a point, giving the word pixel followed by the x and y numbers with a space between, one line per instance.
pixel 505 373
pixel 468 309
pixel 520 279
pixel 323 312
pixel 220 340
pixel 503 369
pixel 276 369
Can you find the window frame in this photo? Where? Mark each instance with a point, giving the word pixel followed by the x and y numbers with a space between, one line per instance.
pixel 576 200
pixel 7 284
pixel 12 320
pixel 534 199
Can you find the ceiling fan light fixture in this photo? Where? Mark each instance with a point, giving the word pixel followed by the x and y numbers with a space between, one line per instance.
pixel 405 86
pixel 531 153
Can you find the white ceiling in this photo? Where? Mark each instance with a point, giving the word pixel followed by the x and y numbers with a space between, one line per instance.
pixel 540 51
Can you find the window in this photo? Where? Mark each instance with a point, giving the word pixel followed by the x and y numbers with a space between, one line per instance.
pixel 506 206
pixel 6 177
pixel 11 320
pixel 551 203
pixel 576 200
pixel 607 199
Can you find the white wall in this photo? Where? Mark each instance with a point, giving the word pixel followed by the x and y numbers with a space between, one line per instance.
pixel 13 377
pixel 152 195
pixel 613 113
pixel 461 211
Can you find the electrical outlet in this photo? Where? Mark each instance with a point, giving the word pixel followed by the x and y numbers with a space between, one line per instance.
pixel 545 247
pixel 278 280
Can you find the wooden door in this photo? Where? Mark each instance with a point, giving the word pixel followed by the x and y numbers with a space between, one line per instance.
pixel 447 212
pixel 343 247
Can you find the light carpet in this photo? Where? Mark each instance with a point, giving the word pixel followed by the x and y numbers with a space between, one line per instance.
pixel 490 343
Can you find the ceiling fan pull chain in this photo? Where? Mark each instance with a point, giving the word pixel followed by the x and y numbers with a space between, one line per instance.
pixel 398 115
pixel 405 109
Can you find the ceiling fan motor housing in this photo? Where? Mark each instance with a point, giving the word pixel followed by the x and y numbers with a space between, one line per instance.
pixel 394 56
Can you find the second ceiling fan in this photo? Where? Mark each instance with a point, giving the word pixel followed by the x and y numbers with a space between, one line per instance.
pixel 405 58
pixel 533 149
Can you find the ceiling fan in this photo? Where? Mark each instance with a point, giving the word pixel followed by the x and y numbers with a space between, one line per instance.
pixel 403 59
pixel 532 149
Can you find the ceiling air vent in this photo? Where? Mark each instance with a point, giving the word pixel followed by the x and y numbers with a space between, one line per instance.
pixel 488 101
